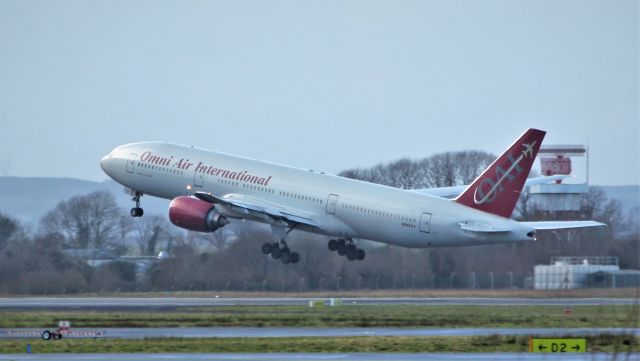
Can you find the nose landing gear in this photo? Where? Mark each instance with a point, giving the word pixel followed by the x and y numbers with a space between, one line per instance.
pixel 136 211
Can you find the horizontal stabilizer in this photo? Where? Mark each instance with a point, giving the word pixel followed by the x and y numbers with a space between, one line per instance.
pixel 550 225
pixel 454 191
pixel 481 227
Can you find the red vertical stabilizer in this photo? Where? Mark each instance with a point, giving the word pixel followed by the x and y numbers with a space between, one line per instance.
pixel 498 188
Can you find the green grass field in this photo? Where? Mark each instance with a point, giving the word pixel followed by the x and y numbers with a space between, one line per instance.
pixel 605 343
pixel 445 316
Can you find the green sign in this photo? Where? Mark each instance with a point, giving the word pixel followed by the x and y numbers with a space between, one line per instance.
pixel 557 345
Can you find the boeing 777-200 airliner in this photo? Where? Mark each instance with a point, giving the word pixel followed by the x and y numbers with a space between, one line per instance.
pixel 208 189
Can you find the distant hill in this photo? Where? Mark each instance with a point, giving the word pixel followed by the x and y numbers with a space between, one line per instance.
pixel 28 199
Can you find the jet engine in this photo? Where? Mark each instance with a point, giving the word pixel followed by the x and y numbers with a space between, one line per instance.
pixel 195 214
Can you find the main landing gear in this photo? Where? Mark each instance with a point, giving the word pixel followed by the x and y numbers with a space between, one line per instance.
pixel 136 211
pixel 346 248
pixel 281 251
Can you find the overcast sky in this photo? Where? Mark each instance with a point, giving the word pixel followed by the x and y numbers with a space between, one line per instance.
pixel 327 85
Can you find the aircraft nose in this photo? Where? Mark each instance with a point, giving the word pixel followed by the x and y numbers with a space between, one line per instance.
pixel 104 163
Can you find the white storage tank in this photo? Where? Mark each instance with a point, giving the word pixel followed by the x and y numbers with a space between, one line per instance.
pixel 570 272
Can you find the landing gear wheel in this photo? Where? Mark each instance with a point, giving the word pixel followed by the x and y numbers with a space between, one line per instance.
pixel 285 258
pixel 352 254
pixel 342 248
pixel 280 250
pixel 136 211
pixel 360 254
pixel 46 335
pixel 333 245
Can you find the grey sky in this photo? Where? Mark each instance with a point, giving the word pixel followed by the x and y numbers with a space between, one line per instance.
pixel 326 85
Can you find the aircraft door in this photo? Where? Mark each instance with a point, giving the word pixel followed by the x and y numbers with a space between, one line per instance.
pixel 198 179
pixel 130 167
pixel 425 223
pixel 331 203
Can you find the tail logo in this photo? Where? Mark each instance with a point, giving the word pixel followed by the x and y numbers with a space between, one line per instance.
pixel 528 149
pixel 488 189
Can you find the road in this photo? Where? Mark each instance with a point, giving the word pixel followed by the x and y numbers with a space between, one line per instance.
pixel 196 332
pixel 46 303
pixel 501 356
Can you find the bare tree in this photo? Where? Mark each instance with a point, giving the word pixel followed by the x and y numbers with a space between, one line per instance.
pixel 8 227
pixel 599 207
pixel 85 221
pixel 439 170
pixel 150 232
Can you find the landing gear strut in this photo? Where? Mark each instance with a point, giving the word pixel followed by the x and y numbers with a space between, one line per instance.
pixel 347 248
pixel 136 211
pixel 281 251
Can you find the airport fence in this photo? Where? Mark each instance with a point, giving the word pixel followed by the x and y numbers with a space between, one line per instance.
pixel 471 280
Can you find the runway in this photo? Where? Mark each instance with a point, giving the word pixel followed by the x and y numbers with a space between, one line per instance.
pixel 227 332
pixel 501 356
pixel 102 303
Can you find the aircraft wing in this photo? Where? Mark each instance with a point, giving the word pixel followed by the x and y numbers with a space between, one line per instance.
pixel 454 191
pixel 256 208
pixel 551 225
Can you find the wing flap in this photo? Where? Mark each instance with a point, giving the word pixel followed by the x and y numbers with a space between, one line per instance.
pixel 258 209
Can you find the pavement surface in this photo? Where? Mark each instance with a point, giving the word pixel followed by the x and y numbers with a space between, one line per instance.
pixel 225 332
pixel 103 303
pixel 502 356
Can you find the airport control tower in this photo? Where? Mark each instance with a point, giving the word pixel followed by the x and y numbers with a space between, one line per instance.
pixel 559 197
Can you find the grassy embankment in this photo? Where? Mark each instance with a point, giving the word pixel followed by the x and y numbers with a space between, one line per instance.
pixel 437 316
pixel 605 343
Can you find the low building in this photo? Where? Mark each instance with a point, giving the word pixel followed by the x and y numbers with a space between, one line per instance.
pixel 613 279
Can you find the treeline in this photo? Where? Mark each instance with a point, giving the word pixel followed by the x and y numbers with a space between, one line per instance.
pixel 53 258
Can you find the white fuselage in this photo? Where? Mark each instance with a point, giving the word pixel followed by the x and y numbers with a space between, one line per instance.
pixel 341 207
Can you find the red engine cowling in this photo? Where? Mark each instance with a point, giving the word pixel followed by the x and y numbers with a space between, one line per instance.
pixel 195 214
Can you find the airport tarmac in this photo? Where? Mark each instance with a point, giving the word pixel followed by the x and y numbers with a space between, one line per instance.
pixel 225 332
pixel 179 302
pixel 498 356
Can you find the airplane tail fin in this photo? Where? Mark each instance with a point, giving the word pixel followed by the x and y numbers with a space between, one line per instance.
pixel 498 188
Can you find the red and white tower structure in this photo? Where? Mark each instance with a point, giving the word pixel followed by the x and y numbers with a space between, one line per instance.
pixel 560 197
